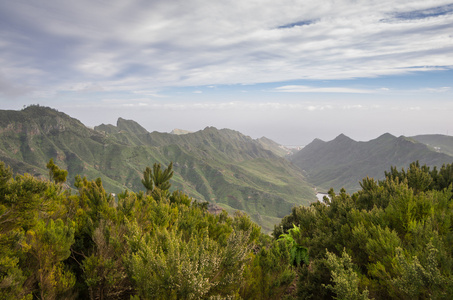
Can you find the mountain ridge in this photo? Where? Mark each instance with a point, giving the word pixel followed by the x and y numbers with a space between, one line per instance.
pixel 343 162
pixel 221 166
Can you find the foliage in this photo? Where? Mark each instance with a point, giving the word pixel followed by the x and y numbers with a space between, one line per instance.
pixel 391 239
pixel 55 173
pixel 420 280
pixel 299 254
pixel 35 238
pixel 49 244
pixel 158 245
pixel 270 275
pixel 191 269
pixel 156 181
pixel 344 277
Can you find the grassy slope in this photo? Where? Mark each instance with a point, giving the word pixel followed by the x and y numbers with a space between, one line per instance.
pixel 232 170
pixel 273 146
pixel 443 142
pixel 220 166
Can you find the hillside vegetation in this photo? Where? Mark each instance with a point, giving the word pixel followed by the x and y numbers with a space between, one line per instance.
pixel 390 240
pixel 344 162
pixel 222 167
pixel 55 244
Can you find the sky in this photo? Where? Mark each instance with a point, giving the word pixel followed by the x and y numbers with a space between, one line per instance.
pixel 290 70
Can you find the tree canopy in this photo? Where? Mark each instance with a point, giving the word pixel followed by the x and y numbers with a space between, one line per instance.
pixel 57 244
pixel 390 240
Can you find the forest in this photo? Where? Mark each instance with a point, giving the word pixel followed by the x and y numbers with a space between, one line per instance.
pixel 391 239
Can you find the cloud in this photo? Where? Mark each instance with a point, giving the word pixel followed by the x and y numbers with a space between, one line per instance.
pixel 354 106
pixel 149 93
pixel 142 45
pixel 226 106
pixel 101 64
pixel 308 89
pixel 443 89
pixel 13 90
pixel 85 87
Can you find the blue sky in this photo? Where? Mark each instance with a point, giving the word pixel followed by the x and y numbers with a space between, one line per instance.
pixel 289 70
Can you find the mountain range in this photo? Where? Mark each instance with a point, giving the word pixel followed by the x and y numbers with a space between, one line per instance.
pixel 223 167
pixel 229 170
pixel 343 162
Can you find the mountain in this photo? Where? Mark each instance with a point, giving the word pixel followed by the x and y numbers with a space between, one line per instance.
pixel 276 148
pixel 344 162
pixel 180 131
pixel 32 136
pixel 223 167
pixel 438 142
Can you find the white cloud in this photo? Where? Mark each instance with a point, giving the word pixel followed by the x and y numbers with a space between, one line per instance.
pixel 443 89
pixel 229 106
pixel 151 93
pixel 140 104
pixel 308 89
pixel 141 45
pixel 354 106
pixel 85 87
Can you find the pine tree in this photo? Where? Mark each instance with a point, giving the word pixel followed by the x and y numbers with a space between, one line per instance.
pixel 55 173
pixel 157 182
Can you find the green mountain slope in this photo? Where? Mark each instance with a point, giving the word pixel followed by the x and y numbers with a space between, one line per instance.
pixel 438 142
pixel 344 162
pixel 219 166
pixel 31 136
pixel 276 148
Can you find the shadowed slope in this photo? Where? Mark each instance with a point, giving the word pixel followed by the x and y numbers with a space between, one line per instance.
pixel 344 162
